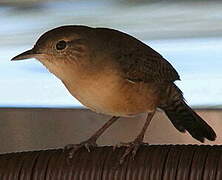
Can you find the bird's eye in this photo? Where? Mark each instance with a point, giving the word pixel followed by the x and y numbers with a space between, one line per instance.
pixel 61 45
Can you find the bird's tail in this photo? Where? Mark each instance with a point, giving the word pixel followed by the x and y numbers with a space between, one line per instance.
pixel 184 118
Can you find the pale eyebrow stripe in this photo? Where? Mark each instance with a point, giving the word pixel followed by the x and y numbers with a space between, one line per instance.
pixel 76 41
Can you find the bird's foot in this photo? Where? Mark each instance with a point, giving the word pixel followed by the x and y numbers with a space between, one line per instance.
pixel 72 148
pixel 131 149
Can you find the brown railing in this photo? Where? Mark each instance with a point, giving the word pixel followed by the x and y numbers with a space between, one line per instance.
pixel 154 162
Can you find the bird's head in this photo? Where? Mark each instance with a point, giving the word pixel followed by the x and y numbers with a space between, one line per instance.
pixel 65 49
pixel 62 45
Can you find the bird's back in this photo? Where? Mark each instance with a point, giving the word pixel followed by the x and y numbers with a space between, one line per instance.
pixel 137 60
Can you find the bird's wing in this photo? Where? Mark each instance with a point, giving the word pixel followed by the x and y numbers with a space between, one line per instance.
pixel 145 64
pixel 137 61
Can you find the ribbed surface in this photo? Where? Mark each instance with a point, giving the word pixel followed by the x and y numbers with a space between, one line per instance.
pixel 165 162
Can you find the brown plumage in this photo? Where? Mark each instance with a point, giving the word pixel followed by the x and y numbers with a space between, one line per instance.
pixel 113 73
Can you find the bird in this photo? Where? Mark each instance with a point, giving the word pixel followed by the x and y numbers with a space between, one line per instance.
pixel 114 73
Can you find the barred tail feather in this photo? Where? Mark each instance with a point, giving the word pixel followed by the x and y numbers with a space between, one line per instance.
pixel 185 119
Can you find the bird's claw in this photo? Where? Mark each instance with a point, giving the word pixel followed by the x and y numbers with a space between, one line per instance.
pixel 131 148
pixel 72 148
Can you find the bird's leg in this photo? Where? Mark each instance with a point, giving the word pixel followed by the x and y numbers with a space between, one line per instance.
pixel 132 147
pixel 91 142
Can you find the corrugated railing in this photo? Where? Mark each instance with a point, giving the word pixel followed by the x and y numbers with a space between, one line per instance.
pixel 154 162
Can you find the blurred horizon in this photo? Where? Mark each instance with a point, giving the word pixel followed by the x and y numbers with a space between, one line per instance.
pixel 187 33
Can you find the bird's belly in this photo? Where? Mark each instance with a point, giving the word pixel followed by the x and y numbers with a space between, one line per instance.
pixel 116 99
pixel 104 90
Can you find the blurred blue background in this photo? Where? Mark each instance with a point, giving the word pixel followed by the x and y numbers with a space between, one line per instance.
pixel 187 33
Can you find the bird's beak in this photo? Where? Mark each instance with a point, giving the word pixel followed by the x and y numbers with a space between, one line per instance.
pixel 25 55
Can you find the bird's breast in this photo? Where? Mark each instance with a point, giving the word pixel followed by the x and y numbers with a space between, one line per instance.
pixel 105 91
pixel 112 95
